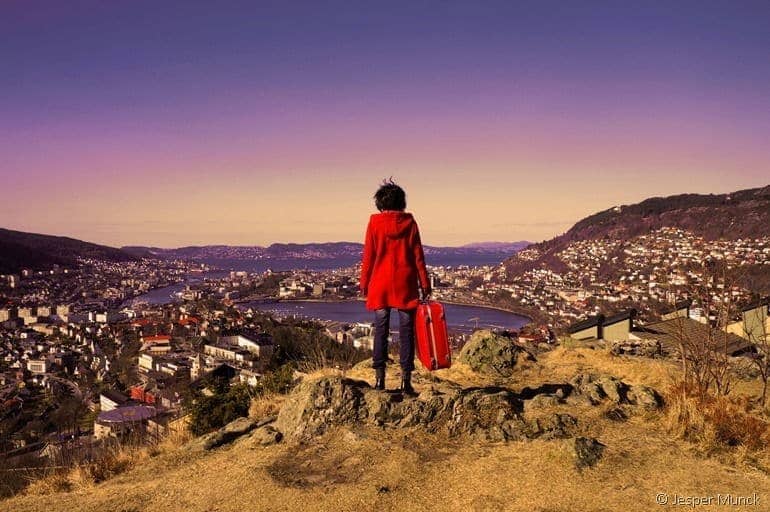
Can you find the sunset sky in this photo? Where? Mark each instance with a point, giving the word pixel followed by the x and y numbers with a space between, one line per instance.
pixel 174 123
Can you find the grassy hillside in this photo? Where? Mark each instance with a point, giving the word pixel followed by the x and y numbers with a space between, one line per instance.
pixel 742 214
pixel 354 469
pixel 35 251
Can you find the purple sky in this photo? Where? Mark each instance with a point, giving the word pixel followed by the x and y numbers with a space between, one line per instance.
pixel 175 123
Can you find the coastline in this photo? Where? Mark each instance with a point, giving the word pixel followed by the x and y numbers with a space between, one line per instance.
pixel 498 308
pixel 454 303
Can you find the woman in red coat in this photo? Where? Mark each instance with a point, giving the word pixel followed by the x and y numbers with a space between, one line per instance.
pixel 392 271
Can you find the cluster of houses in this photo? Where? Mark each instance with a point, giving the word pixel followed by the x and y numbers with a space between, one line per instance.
pixel 93 284
pixel 747 333
pixel 656 268
pixel 82 354
pixel 359 335
pixel 318 284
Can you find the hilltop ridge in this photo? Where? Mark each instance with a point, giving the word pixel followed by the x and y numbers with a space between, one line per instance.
pixel 35 251
pixel 741 214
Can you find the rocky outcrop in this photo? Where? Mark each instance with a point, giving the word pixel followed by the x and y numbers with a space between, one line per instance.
pixel 596 389
pixel 229 433
pixel 485 413
pixel 316 405
pixel 237 428
pixel 491 354
pixel 643 348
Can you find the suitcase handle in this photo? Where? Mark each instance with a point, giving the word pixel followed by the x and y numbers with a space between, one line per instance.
pixel 429 319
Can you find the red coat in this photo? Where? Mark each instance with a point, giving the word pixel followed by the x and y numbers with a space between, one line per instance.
pixel 393 262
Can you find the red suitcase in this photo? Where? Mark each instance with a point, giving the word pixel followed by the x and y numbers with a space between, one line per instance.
pixel 432 341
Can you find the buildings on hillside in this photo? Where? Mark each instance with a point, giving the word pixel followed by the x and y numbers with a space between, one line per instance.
pixel 678 327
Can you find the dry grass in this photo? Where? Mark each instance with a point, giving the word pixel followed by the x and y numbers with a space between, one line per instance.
pixel 412 470
pixel 114 460
pixel 266 405
pixel 54 482
pixel 716 424
pixel 562 363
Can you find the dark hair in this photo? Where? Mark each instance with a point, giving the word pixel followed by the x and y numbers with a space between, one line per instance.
pixel 390 196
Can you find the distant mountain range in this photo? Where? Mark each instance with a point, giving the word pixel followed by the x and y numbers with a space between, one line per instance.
pixel 19 250
pixel 328 250
pixel 742 214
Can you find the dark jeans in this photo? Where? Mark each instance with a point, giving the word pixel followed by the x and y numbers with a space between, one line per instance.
pixel 405 336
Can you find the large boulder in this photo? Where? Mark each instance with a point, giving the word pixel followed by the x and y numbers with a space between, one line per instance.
pixel 316 405
pixel 491 354
pixel 486 413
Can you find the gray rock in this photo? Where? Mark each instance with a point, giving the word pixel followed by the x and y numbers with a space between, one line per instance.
pixel 554 426
pixel 490 414
pixel 314 406
pixel 266 436
pixel 228 433
pixel 616 414
pixel 492 354
pixel 593 393
pixel 588 451
pixel 543 401
pixel 596 389
pixel 645 396
pixel 643 348
pixel 613 388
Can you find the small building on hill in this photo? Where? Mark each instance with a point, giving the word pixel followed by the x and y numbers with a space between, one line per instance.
pixel 123 421
pixel 754 322
pixel 672 330
pixel 259 344
pixel 589 329
pixel 110 399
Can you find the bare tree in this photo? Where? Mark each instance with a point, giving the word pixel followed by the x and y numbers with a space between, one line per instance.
pixel 705 349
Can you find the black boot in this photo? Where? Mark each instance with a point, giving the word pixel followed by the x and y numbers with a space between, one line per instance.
pixel 406 384
pixel 379 379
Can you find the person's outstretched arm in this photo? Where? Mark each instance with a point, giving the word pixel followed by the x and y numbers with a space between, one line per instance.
pixel 367 259
pixel 419 260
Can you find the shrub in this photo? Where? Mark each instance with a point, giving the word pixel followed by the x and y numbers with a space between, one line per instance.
pixel 208 413
pixel 264 406
pixel 114 461
pixel 311 349
pixel 279 381
pixel 715 422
